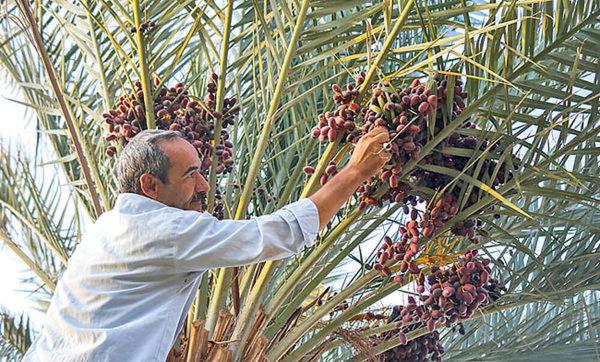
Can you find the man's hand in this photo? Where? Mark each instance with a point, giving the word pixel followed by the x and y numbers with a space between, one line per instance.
pixel 369 156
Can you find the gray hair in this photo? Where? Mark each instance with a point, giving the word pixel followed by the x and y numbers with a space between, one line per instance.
pixel 143 155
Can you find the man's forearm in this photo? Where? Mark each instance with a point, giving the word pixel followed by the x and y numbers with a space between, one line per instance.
pixel 330 198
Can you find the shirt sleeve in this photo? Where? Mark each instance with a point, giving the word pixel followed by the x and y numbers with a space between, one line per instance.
pixel 204 242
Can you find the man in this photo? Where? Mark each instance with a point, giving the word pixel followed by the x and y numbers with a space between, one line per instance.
pixel 131 280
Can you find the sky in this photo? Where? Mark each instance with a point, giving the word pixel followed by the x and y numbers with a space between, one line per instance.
pixel 16 129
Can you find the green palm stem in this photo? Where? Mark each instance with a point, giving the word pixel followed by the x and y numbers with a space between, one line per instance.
pixel 74 131
pixel 292 336
pixel 332 325
pixel 204 291
pixel 243 327
pixel 144 72
pixel 257 290
pixel 290 283
pixel 246 282
pixel 30 263
pixel 105 98
pixel 293 180
pixel 311 184
pixel 219 103
pixel 314 256
pixel 199 307
pixel 191 316
pixel 266 130
pixel 105 88
pixel 313 181
pixel 235 290
pixel 246 318
pixel 219 295
pixel 386 45
pixel 250 308
pixel 307 288
pixel 102 194
pixel 217 299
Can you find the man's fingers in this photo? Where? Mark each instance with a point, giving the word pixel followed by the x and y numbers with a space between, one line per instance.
pixel 377 130
pixel 382 137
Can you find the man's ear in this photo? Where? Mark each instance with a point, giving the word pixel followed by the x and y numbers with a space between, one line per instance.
pixel 149 184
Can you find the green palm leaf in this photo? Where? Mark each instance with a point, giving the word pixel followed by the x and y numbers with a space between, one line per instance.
pixel 16 337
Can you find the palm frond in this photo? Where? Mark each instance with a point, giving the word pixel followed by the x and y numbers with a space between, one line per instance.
pixel 37 221
pixel 17 336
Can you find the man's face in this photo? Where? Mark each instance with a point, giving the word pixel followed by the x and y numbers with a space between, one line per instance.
pixel 185 183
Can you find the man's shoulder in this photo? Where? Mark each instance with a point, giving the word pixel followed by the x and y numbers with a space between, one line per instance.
pixel 130 202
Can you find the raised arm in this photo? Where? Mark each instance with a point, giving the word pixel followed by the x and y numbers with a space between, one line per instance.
pixel 367 158
pixel 203 242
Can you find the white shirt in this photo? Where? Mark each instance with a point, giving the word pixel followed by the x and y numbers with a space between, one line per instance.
pixel 132 279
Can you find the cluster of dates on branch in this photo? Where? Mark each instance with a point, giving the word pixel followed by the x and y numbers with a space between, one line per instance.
pixel 343 121
pixel 422 348
pixel 174 109
pixel 447 297
pixel 408 114
pixel 420 225
pixel 450 295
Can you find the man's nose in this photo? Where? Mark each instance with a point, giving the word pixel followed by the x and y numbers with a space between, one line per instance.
pixel 202 184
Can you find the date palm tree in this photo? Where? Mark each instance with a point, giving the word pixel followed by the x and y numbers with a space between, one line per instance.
pixel 530 67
